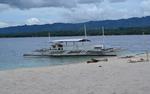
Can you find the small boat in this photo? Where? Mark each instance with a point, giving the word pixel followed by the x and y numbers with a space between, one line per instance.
pixel 74 47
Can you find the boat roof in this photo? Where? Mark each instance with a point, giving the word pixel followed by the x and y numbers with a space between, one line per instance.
pixel 99 45
pixel 70 40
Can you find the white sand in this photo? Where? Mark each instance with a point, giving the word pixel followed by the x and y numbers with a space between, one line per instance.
pixel 114 77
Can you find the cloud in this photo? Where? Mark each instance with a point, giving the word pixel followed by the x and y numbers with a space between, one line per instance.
pixel 116 1
pixel 33 21
pixel 3 24
pixel 89 1
pixel 27 4
pixel 4 7
pixel 70 11
pixel 103 11
pixel 145 5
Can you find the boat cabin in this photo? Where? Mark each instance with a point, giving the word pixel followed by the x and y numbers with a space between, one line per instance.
pixel 99 47
pixel 57 46
pixel 67 43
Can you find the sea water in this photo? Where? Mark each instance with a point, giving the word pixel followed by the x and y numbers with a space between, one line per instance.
pixel 12 50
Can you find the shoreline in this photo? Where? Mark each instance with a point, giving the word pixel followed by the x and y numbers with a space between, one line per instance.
pixel 142 55
pixel 71 36
pixel 116 76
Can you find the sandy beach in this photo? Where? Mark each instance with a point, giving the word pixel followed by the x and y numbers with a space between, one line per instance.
pixel 116 76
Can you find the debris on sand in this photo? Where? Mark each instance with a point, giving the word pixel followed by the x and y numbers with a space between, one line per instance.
pixel 127 57
pixel 136 60
pixel 95 60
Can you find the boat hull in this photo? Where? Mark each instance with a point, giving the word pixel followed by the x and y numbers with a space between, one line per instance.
pixel 72 54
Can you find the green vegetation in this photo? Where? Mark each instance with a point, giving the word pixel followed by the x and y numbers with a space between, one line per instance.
pixel 91 32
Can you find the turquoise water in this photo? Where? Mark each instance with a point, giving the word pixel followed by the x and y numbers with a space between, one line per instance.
pixel 12 50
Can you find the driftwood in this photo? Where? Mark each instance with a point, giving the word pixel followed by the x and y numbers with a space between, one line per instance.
pixel 136 60
pixel 127 57
pixel 95 60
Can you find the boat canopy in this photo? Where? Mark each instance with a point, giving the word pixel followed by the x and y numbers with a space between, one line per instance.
pixel 98 46
pixel 70 40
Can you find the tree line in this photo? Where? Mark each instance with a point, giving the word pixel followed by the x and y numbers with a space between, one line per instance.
pixel 90 32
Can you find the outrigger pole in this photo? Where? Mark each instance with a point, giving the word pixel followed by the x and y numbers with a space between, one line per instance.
pixel 146 50
pixel 49 38
pixel 103 36
pixel 85 36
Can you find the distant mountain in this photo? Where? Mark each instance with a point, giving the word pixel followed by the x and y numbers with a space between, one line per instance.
pixel 131 22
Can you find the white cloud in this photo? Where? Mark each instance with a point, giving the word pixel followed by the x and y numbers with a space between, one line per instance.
pixel 145 5
pixel 115 1
pixel 92 12
pixel 3 24
pixel 70 11
pixel 33 21
pixel 3 7
pixel 27 4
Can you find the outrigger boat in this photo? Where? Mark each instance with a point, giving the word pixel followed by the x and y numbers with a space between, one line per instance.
pixel 74 47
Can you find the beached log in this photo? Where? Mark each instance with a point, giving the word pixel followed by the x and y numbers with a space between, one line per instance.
pixel 136 60
pixel 95 60
pixel 127 57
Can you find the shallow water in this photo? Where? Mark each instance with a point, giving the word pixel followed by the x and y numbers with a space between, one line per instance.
pixel 12 50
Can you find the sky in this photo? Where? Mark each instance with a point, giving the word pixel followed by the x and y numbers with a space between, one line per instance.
pixel 30 12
